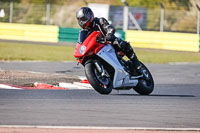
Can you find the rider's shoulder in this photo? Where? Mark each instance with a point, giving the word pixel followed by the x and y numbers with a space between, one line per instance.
pixel 96 20
pixel 102 19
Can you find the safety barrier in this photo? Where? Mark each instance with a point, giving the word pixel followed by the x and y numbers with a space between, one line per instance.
pixel 141 39
pixel 29 32
pixel 163 40
pixel 68 34
pixel 121 34
pixel 40 33
pixel 71 34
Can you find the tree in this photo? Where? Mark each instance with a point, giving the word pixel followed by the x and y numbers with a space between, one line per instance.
pixel 170 4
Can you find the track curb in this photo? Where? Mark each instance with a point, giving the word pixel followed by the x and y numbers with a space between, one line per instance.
pixel 83 84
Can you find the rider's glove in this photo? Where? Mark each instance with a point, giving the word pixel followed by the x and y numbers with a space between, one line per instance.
pixel 110 37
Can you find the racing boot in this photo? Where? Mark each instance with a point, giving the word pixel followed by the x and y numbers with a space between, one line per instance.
pixel 139 68
pixel 136 65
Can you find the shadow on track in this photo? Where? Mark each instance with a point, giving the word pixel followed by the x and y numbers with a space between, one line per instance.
pixel 154 95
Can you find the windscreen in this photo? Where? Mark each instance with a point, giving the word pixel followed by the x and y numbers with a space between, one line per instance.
pixel 82 36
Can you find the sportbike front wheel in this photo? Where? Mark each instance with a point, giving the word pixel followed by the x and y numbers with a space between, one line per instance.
pixel 100 81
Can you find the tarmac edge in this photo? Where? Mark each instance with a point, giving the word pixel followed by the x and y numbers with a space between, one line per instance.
pixel 101 128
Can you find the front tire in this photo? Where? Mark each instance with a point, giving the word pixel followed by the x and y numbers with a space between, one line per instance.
pixel 101 84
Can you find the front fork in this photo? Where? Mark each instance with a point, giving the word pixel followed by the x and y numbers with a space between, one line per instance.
pixel 101 69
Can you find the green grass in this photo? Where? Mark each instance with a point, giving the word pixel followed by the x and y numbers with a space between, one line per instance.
pixel 165 56
pixel 21 51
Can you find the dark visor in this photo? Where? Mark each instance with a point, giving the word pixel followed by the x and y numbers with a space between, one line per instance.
pixel 84 18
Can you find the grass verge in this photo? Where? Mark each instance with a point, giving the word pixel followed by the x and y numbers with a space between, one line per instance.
pixel 166 56
pixel 10 51
pixel 20 51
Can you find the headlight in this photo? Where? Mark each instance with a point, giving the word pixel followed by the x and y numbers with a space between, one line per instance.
pixel 82 49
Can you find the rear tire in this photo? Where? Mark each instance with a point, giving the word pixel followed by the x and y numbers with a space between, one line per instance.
pixel 145 86
pixel 96 81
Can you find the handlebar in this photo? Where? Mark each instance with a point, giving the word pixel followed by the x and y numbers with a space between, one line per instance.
pixel 100 30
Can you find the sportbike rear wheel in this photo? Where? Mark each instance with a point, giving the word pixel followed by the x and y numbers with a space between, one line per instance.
pixel 100 81
pixel 146 84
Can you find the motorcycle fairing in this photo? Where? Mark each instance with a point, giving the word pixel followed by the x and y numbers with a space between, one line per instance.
pixel 92 47
pixel 77 54
pixel 121 77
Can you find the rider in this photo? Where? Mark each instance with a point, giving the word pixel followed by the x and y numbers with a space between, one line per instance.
pixel 89 23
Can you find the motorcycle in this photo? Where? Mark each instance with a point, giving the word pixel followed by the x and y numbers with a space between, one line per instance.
pixel 106 69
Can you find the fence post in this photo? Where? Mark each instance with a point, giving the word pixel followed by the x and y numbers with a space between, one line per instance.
pixel 11 11
pixel 125 20
pixel 125 16
pixel 198 19
pixel 162 17
pixel 48 10
pixel 198 24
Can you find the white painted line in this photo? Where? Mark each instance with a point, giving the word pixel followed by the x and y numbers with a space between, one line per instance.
pixel 71 86
pixel 83 85
pixel 3 86
pixel 82 77
pixel 183 63
pixel 101 128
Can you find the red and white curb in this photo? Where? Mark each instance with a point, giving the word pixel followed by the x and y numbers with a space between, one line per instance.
pixel 83 84
pixel 4 86
pixel 37 87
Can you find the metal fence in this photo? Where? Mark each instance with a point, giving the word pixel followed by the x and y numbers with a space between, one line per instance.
pixel 138 18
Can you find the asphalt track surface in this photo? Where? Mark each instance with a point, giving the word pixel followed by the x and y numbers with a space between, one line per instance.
pixel 175 102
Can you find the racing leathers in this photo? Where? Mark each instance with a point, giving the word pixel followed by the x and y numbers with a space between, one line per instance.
pixel 101 24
